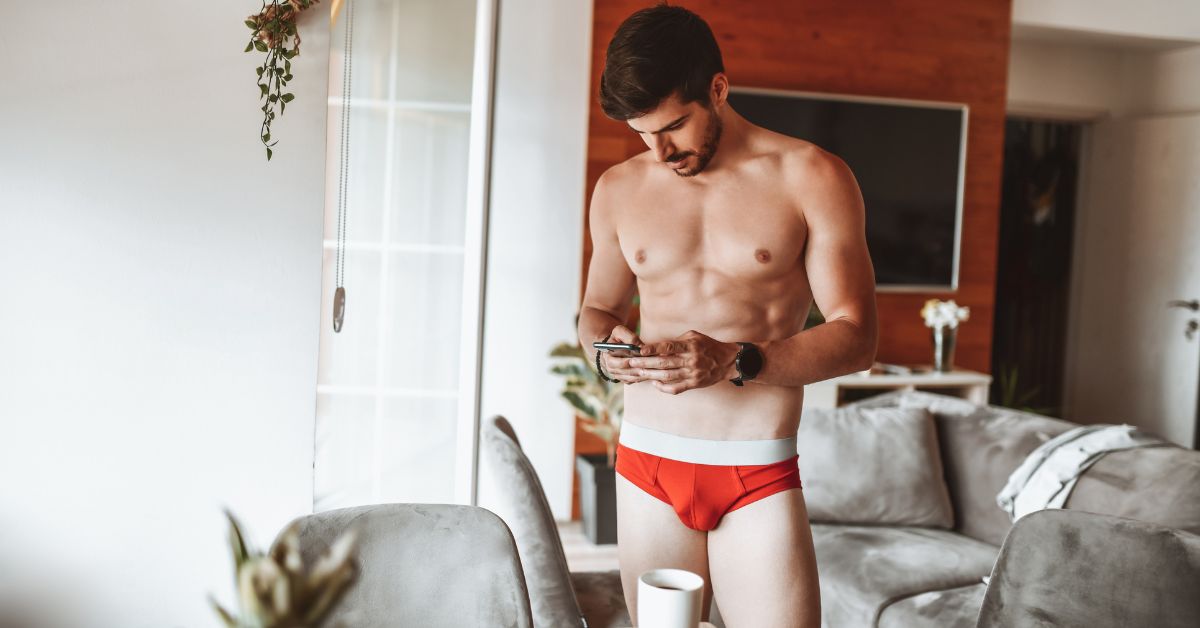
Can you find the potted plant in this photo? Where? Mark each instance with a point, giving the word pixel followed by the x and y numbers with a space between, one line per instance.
pixel 600 404
pixel 275 589
pixel 274 31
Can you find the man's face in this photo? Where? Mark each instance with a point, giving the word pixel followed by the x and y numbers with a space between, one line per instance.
pixel 683 137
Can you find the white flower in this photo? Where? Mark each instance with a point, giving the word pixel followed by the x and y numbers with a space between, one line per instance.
pixel 938 314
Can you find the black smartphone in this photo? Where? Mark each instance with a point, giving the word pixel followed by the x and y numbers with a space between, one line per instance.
pixel 617 346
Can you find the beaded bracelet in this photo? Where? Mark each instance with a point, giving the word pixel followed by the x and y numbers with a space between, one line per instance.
pixel 600 370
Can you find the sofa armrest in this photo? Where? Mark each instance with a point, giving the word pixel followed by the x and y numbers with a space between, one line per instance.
pixel 1074 568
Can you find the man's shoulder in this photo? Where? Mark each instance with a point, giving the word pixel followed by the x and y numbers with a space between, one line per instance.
pixel 618 181
pixel 626 172
pixel 820 181
pixel 803 157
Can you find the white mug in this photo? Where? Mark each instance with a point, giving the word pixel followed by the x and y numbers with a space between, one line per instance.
pixel 669 598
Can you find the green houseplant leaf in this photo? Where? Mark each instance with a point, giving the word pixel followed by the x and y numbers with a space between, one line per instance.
pixel 600 404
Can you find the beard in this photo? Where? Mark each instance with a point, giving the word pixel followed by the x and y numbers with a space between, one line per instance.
pixel 712 138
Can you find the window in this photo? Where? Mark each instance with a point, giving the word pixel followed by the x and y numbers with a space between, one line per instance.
pixel 396 416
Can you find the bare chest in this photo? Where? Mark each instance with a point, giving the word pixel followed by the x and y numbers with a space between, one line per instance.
pixel 742 233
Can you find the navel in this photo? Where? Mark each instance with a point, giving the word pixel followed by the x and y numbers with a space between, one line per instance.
pixel 762 255
pixel 640 256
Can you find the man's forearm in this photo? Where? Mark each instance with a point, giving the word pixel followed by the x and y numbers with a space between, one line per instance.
pixel 835 347
pixel 594 325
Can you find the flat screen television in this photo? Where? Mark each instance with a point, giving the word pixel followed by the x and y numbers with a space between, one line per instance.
pixel 908 156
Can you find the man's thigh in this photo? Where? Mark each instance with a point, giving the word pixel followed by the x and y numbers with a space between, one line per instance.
pixel 651 536
pixel 764 567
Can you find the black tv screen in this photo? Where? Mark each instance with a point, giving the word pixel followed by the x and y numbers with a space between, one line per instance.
pixel 908 157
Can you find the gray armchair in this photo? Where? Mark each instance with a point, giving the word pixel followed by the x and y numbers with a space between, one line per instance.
pixel 559 598
pixel 1069 568
pixel 428 565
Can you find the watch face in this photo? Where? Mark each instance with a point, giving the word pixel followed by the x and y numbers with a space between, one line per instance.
pixel 751 361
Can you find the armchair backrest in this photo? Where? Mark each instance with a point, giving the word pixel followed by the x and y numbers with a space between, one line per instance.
pixel 1072 568
pixel 519 499
pixel 428 565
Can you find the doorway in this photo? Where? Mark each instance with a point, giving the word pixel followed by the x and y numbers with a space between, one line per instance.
pixel 1033 276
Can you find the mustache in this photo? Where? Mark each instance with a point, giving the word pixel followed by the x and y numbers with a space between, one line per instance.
pixel 679 156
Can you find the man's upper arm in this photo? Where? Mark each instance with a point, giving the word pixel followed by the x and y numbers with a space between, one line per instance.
pixel 610 282
pixel 836 257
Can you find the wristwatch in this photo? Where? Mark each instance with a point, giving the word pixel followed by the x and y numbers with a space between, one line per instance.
pixel 749 362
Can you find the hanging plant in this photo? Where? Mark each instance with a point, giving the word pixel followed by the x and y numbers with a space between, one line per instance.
pixel 272 27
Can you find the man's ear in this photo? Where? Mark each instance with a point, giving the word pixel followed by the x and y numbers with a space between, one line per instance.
pixel 718 90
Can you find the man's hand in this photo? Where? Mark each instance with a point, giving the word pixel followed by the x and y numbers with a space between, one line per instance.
pixel 615 363
pixel 692 360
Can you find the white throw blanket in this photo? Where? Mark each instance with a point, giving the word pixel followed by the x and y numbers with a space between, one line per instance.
pixel 1046 477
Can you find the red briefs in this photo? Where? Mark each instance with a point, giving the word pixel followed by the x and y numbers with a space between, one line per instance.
pixel 702 493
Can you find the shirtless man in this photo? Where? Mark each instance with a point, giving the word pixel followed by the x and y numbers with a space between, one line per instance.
pixel 729 232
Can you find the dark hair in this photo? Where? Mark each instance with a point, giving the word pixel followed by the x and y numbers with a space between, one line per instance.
pixel 656 52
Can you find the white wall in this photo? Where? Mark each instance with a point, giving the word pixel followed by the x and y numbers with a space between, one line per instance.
pixel 1163 83
pixel 535 234
pixel 160 291
pixel 1093 81
pixel 1166 19
pixel 1053 78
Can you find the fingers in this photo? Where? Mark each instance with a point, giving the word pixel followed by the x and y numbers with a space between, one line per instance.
pixel 676 387
pixel 617 368
pixel 661 362
pixel 634 370
pixel 621 333
pixel 665 347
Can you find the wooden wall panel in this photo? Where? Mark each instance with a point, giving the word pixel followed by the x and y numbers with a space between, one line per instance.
pixel 921 49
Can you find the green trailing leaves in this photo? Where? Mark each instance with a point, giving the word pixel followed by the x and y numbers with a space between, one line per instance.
pixel 275 33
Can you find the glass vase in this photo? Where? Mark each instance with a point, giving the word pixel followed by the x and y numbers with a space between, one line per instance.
pixel 943 348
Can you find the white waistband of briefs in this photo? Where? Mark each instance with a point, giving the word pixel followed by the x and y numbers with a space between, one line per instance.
pixel 705 451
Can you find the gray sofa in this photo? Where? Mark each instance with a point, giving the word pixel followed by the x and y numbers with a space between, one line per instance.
pixel 915 576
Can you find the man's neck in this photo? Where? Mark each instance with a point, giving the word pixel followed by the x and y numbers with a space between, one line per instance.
pixel 732 146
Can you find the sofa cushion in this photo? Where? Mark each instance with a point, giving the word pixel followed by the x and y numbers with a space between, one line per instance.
pixel 947 608
pixel 980 446
pixel 862 569
pixel 1156 484
pixel 873 465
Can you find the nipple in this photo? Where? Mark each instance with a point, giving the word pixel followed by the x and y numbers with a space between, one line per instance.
pixel 762 255
pixel 640 256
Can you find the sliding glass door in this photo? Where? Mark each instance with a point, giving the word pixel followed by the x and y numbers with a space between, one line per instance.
pixel 397 393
